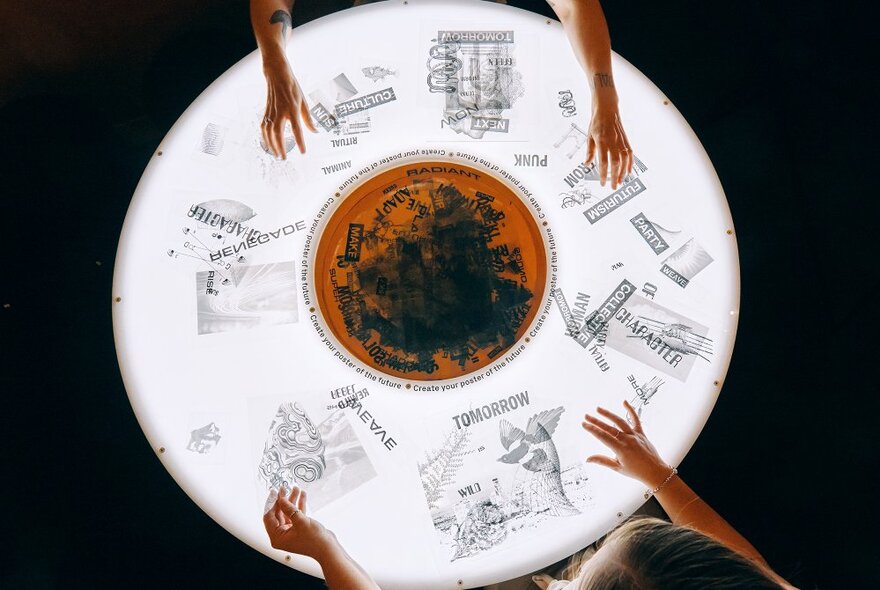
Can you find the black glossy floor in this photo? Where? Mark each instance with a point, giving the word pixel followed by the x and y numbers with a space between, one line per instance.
pixel 88 89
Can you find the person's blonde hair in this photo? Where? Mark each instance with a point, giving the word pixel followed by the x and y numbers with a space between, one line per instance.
pixel 652 554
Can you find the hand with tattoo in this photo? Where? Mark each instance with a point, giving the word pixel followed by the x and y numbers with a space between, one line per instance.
pixel 607 140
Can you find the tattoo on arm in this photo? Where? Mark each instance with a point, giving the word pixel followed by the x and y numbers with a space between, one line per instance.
pixel 603 80
pixel 283 17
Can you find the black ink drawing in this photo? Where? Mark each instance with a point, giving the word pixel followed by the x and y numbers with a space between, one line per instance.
pixel 579 195
pixel 533 448
pixel 197 245
pixel 566 103
pixel 205 228
pixel 327 460
pixel 637 169
pixel 377 73
pixel 478 80
pixel 483 527
pixel 212 139
pixel 258 295
pixel 203 440
pixel 685 263
pixel 440 466
pixel 643 394
pixel 283 17
pixel 443 64
pixel 474 509
pixel 577 135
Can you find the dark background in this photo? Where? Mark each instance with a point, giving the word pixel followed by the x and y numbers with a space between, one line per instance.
pixel 773 90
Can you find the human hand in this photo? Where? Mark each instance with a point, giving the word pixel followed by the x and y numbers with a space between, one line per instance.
pixel 607 142
pixel 635 457
pixel 543 581
pixel 291 530
pixel 285 101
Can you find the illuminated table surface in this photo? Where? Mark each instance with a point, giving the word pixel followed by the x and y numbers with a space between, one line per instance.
pixel 411 319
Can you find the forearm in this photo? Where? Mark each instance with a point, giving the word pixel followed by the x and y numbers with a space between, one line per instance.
pixel 341 571
pixel 686 508
pixel 587 32
pixel 272 22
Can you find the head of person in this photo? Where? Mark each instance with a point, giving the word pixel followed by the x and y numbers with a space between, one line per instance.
pixel 652 554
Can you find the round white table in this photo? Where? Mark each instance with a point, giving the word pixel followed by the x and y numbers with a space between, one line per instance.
pixel 411 319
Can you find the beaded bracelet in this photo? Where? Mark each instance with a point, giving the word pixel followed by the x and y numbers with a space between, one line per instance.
pixel 649 493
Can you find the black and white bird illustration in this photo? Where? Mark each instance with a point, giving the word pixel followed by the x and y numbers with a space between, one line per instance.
pixel 535 451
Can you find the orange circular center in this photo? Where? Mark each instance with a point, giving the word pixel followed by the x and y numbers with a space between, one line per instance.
pixel 430 270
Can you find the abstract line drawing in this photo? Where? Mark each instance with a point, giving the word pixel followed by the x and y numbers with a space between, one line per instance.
pixel 257 295
pixel 212 139
pixel 377 73
pixel 686 262
pixel 637 169
pixel 644 393
pixel 440 466
pixel 579 195
pixel 294 451
pixel 327 460
pixel 203 440
pixel 198 242
pixel 577 135
pixel 534 449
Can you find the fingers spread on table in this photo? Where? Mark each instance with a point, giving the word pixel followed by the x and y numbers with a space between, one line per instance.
pixel 603 425
pixel 603 436
pixel 617 420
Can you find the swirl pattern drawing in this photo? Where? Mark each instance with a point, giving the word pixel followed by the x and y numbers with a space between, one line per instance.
pixel 566 103
pixel 294 451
